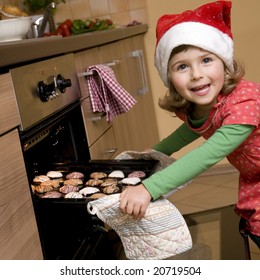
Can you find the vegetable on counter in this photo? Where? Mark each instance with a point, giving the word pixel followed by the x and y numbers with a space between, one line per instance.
pixel 78 26
pixel 64 29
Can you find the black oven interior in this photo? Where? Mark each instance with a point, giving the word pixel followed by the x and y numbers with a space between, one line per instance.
pixel 60 139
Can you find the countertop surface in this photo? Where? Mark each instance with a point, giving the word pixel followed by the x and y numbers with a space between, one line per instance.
pixel 17 52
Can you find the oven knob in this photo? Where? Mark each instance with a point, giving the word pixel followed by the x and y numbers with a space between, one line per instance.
pixel 62 83
pixel 45 91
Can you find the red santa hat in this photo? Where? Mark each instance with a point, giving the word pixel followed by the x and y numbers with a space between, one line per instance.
pixel 207 27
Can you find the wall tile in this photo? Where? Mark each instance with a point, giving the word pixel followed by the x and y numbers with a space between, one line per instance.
pixel 121 12
pixel 139 15
pixel 120 19
pixel 63 12
pixel 136 4
pixel 98 7
pixel 117 6
pixel 79 9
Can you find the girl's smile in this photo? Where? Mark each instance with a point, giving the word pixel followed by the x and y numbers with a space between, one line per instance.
pixel 201 90
pixel 197 76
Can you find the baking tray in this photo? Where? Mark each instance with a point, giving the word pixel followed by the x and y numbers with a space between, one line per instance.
pixel 106 166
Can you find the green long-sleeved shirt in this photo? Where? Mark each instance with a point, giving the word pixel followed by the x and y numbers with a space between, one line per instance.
pixel 225 140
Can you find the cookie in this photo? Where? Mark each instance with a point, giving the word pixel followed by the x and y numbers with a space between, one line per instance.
pixel 108 182
pixel 111 189
pixel 68 188
pixel 42 189
pixel 116 174
pixel 52 194
pixel 97 195
pixel 88 191
pixel 75 175
pixel 137 174
pixel 73 195
pixel 94 182
pixel 74 182
pixel 98 175
pixel 54 174
pixel 41 178
pixel 131 181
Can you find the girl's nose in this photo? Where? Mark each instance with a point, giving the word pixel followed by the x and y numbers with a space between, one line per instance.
pixel 196 73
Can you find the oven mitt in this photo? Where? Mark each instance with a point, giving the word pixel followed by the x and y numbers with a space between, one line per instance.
pixel 163 161
pixel 160 234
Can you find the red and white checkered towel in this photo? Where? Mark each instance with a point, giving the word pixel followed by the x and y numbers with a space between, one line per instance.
pixel 106 94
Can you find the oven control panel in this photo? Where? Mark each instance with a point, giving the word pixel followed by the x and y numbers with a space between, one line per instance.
pixel 53 87
pixel 44 88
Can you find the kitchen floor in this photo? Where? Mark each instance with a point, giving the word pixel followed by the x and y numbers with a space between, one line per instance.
pixel 214 190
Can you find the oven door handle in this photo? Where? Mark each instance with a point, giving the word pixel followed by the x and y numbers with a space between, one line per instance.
pixel 111 64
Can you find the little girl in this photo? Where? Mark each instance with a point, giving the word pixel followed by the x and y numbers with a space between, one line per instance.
pixel 194 57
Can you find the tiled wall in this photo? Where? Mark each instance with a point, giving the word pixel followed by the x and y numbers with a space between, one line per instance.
pixel 121 12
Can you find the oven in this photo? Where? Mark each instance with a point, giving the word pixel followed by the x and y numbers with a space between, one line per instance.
pixel 53 138
pixel 52 132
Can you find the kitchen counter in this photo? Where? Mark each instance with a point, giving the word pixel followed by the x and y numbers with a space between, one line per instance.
pixel 16 52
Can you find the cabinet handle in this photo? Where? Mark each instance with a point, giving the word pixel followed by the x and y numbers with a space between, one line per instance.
pixel 140 56
pixel 114 62
pixel 98 117
pixel 111 64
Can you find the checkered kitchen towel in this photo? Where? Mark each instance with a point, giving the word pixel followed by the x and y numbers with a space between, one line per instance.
pixel 106 94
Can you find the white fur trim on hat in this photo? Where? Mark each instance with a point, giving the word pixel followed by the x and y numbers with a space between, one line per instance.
pixel 196 34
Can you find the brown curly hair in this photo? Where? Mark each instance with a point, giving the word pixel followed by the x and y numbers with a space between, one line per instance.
pixel 175 103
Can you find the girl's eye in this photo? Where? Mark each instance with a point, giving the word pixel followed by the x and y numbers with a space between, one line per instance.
pixel 207 60
pixel 181 67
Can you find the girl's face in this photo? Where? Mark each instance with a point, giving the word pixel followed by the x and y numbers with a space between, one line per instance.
pixel 198 76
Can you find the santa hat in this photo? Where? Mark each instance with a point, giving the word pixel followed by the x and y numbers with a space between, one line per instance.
pixel 207 27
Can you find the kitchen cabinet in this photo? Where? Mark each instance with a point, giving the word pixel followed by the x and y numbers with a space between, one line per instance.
pixel 137 129
pixel 9 117
pixel 100 134
pixel 134 130
pixel 18 231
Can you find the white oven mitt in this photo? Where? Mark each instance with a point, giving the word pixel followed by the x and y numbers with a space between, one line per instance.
pixel 160 234
pixel 163 161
